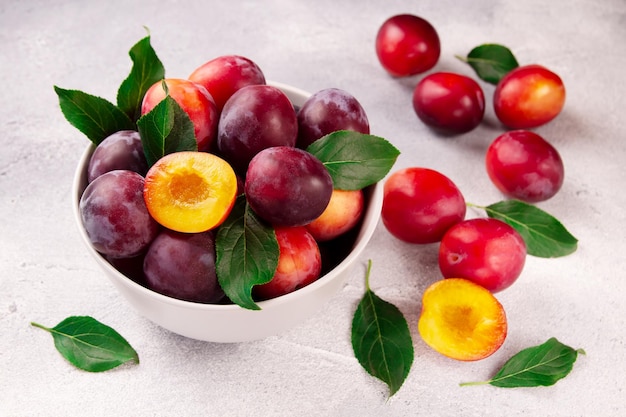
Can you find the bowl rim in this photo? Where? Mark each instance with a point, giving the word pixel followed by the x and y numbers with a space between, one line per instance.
pixel 367 227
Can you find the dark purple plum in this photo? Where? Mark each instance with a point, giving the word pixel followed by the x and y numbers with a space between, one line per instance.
pixel 327 111
pixel 182 265
pixel 115 216
pixel 121 150
pixel 254 118
pixel 287 186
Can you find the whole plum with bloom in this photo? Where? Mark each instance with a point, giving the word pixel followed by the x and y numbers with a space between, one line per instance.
pixel 255 117
pixel 344 211
pixel 421 204
pixel 528 96
pixel 182 265
pixel 224 75
pixel 287 186
pixel 115 216
pixel 194 99
pixel 486 251
pixel 449 101
pixel 299 263
pixel 407 45
pixel 121 150
pixel 327 111
pixel 523 165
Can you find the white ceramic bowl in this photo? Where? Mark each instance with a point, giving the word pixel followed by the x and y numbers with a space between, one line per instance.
pixel 232 323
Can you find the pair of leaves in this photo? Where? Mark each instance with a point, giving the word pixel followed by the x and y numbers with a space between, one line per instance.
pixel 97 117
pixel 541 365
pixel 246 247
pixel 544 235
pixel 90 345
pixel 491 62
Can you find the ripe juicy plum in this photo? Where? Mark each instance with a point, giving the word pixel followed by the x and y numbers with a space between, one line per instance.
pixel 528 96
pixel 287 186
pixel 344 211
pixel 525 166
pixel 121 150
pixel 420 205
pixel 256 117
pixel 486 251
pixel 327 111
pixel 407 45
pixel 224 75
pixel 299 263
pixel 449 101
pixel 182 265
pixel 195 100
pixel 115 216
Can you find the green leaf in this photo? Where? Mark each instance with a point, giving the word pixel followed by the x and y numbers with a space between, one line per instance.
pixel 354 160
pixel 90 345
pixel 147 69
pixel 247 254
pixel 381 339
pixel 166 129
pixel 541 365
pixel 94 116
pixel 491 62
pixel 544 235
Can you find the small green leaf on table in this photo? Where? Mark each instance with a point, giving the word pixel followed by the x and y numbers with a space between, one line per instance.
pixel 544 235
pixel 247 254
pixel 147 69
pixel 381 339
pixel 94 116
pixel 541 365
pixel 90 345
pixel 491 62
pixel 166 129
pixel 354 160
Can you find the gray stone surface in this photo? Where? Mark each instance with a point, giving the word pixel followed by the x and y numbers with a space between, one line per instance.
pixel 46 274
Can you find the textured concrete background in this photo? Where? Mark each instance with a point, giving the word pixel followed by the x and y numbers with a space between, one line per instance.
pixel 46 274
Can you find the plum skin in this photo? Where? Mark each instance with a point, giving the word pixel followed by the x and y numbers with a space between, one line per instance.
pixel 287 186
pixel 528 96
pixel 523 165
pixel 449 101
pixel 182 265
pixel 407 45
pixel 299 263
pixel 195 100
pixel 115 216
pixel 121 150
pixel 327 111
pixel 420 205
pixel 224 75
pixel 486 251
pixel 254 118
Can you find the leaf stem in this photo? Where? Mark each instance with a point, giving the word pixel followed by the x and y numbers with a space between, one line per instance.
pixel 472 205
pixel 475 383
pixel 41 326
pixel 367 275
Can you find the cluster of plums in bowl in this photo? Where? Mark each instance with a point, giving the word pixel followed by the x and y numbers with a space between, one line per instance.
pixel 152 226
